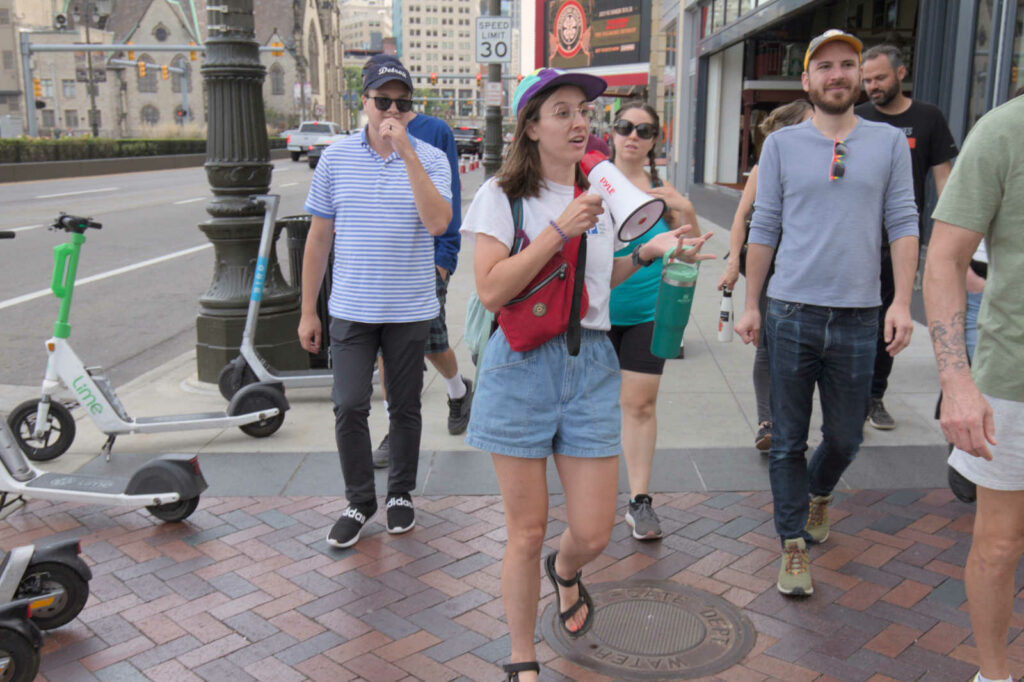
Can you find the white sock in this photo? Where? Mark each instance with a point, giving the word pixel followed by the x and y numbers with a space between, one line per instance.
pixel 387 414
pixel 456 386
pixel 982 678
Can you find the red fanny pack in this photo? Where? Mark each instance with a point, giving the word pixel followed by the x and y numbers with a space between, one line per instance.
pixel 553 302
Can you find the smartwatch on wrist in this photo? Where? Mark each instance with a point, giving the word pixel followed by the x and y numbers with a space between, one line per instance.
pixel 638 261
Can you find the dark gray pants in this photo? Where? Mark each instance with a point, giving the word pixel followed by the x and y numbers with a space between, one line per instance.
pixel 354 353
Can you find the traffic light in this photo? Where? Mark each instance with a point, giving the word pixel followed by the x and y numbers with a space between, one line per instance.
pixel 479 78
pixel 192 55
pixel 163 72
pixel 519 78
pixel 142 69
pixel 279 52
pixel 180 113
pixel 131 53
pixel 433 78
pixel 37 87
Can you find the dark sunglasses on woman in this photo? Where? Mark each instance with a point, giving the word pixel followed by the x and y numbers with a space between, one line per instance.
pixel 645 131
pixel 384 103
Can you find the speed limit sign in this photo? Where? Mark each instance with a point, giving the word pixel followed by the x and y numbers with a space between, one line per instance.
pixel 493 40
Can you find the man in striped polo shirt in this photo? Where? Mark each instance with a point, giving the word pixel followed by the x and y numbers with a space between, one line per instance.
pixel 379 197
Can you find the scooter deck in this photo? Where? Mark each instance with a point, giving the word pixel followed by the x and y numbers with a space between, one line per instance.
pixel 79 483
pixel 180 417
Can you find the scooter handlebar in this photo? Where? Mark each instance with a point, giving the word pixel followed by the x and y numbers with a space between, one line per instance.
pixel 73 223
pixel 6 234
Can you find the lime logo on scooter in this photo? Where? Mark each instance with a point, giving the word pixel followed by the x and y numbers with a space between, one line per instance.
pixel 258 278
pixel 85 395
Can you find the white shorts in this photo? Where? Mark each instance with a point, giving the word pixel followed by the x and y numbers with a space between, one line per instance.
pixel 1006 470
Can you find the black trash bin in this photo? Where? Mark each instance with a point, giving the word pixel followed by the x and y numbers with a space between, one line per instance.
pixel 298 229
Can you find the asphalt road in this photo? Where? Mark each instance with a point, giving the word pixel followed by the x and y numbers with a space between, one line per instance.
pixel 137 314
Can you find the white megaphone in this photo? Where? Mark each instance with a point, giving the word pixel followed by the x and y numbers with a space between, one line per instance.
pixel 634 212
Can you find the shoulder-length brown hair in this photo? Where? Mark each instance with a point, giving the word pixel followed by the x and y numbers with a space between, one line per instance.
pixel 520 175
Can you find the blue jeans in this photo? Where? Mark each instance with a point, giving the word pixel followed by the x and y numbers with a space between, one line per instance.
pixel 833 348
pixel 971 322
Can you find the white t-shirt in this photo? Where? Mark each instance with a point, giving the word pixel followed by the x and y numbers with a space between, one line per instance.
pixel 490 213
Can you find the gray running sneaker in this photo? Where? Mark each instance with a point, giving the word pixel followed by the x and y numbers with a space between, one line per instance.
pixel 382 455
pixel 795 569
pixel 879 417
pixel 642 519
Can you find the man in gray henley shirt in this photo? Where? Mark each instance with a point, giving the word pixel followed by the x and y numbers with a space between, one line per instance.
pixel 825 189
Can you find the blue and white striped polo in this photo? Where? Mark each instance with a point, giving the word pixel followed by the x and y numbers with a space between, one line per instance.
pixel 383 255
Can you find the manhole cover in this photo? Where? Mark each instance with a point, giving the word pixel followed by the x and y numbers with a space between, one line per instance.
pixel 655 630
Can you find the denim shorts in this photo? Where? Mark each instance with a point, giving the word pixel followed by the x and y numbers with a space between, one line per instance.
pixel 544 401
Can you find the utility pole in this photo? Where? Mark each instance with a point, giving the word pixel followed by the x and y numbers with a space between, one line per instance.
pixel 86 16
pixel 492 134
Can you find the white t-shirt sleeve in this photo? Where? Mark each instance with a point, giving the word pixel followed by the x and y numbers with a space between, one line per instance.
pixel 490 213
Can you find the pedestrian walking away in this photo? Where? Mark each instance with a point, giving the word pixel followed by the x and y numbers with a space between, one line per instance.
pixel 374 195
pixel 983 402
pixel 549 398
pixel 931 147
pixel 634 135
pixel 786 115
pixel 814 181
pixel 459 389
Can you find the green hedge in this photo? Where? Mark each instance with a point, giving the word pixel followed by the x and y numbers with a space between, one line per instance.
pixel 78 148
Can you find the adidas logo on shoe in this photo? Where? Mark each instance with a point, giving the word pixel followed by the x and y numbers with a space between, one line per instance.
pixel 355 514
pixel 350 524
pixel 399 502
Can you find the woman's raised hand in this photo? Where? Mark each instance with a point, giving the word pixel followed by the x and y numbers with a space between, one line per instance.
pixel 687 250
pixel 580 215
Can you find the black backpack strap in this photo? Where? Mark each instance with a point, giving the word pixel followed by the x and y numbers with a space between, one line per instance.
pixel 575 332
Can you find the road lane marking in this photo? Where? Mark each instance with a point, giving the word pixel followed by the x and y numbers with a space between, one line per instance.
pixel 25 228
pixel 188 201
pixel 104 275
pixel 289 184
pixel 81 191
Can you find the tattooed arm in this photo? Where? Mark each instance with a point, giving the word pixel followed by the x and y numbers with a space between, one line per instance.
pixel 966 416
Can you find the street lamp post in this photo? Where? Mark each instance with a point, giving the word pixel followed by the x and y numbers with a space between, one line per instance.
pixel 86 16
pixel 238 166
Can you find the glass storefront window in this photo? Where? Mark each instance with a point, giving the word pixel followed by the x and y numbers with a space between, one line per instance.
pixel 1017 58
pixel 719 15
pixel 732 11
pixel 979 67
pixel 747 6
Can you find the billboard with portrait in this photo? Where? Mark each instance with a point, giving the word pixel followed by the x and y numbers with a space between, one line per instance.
pixel 592 33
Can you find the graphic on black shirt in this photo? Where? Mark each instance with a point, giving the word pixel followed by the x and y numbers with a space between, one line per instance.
pixel 927 133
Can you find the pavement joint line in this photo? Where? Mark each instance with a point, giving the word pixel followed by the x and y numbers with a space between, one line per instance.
pixel 104 275
pixel 25 228
pixel 189 201
pixel 700 476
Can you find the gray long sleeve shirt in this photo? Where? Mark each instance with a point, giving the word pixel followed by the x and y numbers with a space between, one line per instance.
pixel 831 231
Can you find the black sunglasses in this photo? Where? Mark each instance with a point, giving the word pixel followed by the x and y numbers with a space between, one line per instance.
pixel 384 103
pixel 838 169
pixel 645 131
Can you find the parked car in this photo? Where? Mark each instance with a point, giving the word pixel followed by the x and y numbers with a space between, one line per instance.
pixel 309 132
pixel 468 140
pixel 314 150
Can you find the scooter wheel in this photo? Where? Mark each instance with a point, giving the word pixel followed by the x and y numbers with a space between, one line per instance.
pixel 69 590
pixel 261 399
pixel 22 658
pixel 173 512
pixel 234 376
pixel 59 434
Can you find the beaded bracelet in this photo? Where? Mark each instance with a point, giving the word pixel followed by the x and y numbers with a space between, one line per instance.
pixel 559 231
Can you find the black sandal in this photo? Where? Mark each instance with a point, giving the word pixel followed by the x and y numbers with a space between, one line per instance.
pixel 584 599
pixel 512 670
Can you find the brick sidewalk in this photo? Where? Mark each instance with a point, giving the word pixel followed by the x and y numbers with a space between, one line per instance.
pixel 247 589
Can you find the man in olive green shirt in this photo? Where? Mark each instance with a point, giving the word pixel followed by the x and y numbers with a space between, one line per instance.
pixel 983 405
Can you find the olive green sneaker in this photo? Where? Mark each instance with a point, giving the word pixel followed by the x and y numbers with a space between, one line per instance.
pixel 795 571
pixel 817 520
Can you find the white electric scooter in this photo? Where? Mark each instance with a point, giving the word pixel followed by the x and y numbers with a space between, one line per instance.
pixel 44 428
pixel 249 367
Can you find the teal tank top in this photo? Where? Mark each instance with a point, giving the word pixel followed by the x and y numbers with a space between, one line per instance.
pixel 633 301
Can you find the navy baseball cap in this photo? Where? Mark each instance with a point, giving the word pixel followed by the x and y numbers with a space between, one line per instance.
pixel 384 68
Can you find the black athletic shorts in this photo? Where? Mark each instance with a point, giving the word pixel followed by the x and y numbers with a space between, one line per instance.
pixel 633 346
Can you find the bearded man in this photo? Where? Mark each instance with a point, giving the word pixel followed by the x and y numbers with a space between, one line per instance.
pixel 826 189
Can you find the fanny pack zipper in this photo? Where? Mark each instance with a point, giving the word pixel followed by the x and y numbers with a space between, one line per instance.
pixel 558 272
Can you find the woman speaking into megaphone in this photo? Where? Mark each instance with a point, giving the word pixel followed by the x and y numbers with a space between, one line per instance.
pixel 635 133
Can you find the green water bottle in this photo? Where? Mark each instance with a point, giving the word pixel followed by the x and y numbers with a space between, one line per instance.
pixel 672 311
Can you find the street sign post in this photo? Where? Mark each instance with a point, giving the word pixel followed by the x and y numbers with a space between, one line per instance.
pixel 493 40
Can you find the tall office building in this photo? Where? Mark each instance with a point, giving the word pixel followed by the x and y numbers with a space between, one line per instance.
pixel 365 24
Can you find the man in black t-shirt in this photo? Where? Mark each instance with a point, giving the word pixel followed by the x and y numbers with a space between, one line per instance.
pixel 931 146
